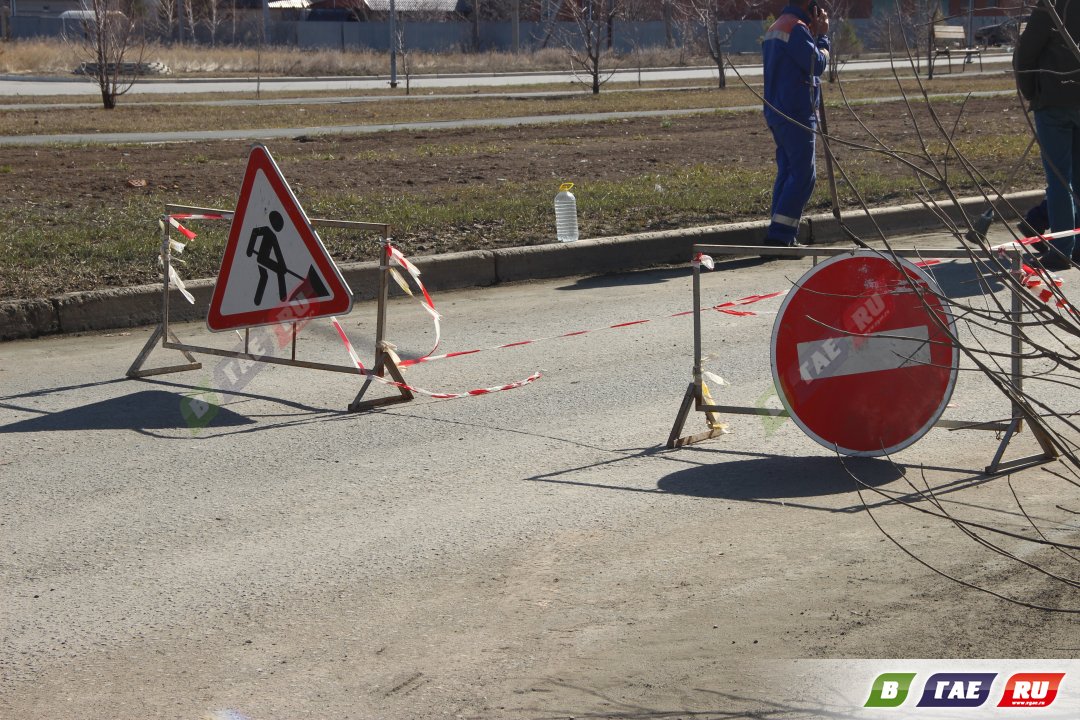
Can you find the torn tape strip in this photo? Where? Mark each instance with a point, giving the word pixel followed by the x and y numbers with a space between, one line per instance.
pixel 393 255
pixel 175 279
pixel 176 224
pixel 175 218
pixel 175 245
pixel 1033 280
pixel 418 390
pixel 703 260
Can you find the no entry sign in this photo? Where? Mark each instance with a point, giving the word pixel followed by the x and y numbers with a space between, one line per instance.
pixel 859 355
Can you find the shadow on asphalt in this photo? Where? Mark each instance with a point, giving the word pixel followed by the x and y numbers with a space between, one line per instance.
pixel 622 279
pixel 779 477
pixel 654 276
pixel 960 279
pixel 146 410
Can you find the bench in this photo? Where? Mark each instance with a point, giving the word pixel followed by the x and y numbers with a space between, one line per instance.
pixel 946 40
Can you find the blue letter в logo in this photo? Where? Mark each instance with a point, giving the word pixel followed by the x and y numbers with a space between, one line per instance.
pixel 957 689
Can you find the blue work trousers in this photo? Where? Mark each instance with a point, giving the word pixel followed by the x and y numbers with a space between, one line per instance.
pixel 1059 138
pixel 795 177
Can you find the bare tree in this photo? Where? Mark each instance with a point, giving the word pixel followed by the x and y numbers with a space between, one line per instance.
pixel 667 12
pixel 845 42
pixel 587 46
pixel 115 46
pixel 210 15
pixel 710 23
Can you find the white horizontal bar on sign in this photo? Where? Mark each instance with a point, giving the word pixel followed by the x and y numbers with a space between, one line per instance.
pixel 857 354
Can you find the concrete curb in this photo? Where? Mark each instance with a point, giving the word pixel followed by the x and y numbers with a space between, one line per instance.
pixel 141 305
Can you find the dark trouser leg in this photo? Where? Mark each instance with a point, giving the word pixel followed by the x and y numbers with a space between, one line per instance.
pixel 796 175
pixel 1057 128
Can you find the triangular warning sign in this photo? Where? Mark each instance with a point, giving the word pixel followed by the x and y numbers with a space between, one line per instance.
pixel 275 268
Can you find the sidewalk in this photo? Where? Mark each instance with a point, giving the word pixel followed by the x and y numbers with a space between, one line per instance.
pixel 134 306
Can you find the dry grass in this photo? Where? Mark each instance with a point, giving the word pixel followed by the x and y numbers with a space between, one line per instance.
pixel 38 56
pixel 56 56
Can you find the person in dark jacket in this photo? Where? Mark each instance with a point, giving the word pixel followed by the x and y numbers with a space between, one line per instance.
pixel 1048 76
pixel 795 52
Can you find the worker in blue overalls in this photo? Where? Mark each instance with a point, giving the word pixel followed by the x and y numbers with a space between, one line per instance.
pixel 795 52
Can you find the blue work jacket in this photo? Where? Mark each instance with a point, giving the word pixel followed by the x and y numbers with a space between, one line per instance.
pixel 793 61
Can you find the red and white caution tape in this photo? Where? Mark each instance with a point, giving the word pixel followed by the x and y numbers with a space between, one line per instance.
pixel 178 247
pixel 394 256
pixel 1032 280
pixel 1034 239
pixel 174 277
pixel 727 308
pixel 701 259
pixel 183 230
pixel 175 219
pixel 418 390
pixel 180 285
pixel 203 216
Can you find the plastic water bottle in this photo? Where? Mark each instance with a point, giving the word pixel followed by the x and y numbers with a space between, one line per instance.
pixel 566 214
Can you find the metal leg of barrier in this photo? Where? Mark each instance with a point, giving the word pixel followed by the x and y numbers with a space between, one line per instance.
pixel 692 398
pixel 136 371
pixel 1049 452
pixel 162 331
pixel 388 362
pixel 689 400
pixel 385 357
pixel 1016 372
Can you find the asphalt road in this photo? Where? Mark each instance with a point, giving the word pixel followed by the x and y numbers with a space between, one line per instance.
pixel 11 85
pixel 527 554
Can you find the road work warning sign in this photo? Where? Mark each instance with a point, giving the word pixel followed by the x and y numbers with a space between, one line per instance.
pixel 274 268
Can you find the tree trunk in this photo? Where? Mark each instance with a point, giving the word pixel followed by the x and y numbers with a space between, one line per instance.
pixel 666 10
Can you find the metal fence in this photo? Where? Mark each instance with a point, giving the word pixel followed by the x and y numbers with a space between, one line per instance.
pixel 425 36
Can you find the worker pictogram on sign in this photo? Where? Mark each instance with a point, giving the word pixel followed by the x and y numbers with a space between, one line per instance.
pixel 862 356
pixel 274 268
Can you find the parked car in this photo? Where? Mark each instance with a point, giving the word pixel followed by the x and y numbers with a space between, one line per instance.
pixel 1003 33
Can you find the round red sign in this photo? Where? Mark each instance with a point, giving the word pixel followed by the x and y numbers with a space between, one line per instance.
pixel 862 356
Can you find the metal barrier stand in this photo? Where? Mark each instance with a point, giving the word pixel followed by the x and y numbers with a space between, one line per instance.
pixel 385 359
pixel 694 397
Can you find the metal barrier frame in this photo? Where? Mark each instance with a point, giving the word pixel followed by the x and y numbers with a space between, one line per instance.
pixel 386 360
pixel 694 397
